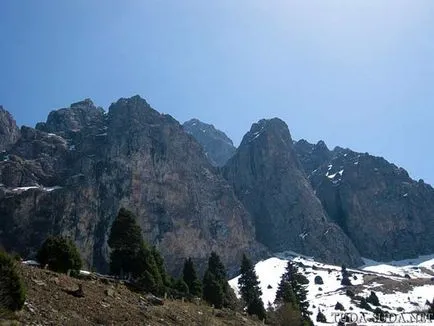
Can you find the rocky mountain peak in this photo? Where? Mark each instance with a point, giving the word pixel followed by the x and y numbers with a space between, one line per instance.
pixel 78 117
pixel 132 111
pixel 275 131
pixel 217 145
pixel 270 181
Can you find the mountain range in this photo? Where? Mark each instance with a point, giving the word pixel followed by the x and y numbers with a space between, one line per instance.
pixel 194 192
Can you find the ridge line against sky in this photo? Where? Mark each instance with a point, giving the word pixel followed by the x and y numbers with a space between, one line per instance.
pixel 356 74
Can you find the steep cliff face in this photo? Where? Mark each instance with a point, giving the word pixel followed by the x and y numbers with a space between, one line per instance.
pixel 385 213
pixel 269 180
pixel 75 178
pixel 218 147
pixel 9 132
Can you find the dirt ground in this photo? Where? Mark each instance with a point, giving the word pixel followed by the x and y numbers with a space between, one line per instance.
pixel 51 302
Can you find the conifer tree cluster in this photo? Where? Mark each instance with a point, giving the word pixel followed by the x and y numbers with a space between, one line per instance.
pixel 131 258
pixel 292 294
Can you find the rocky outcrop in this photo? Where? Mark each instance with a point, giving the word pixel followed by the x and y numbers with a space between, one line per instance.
pixel 312 156
pixel 386 214
pixel 218 147
pixel 81 166
pixel 9 132
pixel 80 116
pixel 270 181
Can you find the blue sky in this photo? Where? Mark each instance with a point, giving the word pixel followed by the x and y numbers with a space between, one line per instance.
pixel 358 74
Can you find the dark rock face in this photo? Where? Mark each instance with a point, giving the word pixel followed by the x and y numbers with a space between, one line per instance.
pixel 78 117
pixel 218 147
pixel 91 164
pixel 270 181
pixel 9 132
pixel 386 214
pixel 312 156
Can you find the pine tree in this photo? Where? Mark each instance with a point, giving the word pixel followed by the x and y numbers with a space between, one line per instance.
pixel 373 299
pixel 345 276
pixel 146 273
pixel 216 289
pixel 190 278
pixel 212 290
pixel 249 288
pixel 60 254
pixel 12 291
pixel 160 266
pixel 431 309
pixel 126 242
pixel 292 290
pixel 320 317
pixel 181 286
pixel 131 257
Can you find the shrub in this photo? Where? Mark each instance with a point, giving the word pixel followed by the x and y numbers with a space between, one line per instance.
pixel 60 254
pixel 12 292
pixel 346 281
pixel 373 299
pixel 318 280
pixel 365 305
pixel 339 306
pixel 320 317
pixel 349 293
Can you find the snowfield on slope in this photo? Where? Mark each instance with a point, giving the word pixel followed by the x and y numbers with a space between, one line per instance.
pixel 401 286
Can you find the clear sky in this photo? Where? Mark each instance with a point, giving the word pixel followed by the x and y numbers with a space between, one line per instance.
pixel 358 74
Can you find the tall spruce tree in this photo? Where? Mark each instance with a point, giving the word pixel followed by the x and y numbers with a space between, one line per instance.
pixel 160 266
pixel 190 278
pixel 292 290
pixel 126 243
pixel 248 284
pixel 216 289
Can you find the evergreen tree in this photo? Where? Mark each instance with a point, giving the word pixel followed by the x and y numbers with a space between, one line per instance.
pixel 181 286
pixel 373 299
pixel 216 289
pixel 320 317
pixel 345 276
pixel 212 290
pixel 126 242
pixel 190 278
pixel 146 272
pixel 249 288
pixel 292 290
pixel 431 309
pixel 131 257
pixel 160 266
pixel 12 292
pixel 60 254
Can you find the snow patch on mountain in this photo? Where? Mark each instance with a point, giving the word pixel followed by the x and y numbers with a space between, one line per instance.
pixel 401 286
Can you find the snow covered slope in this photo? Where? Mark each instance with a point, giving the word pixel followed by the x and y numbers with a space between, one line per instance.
pixel 401 286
